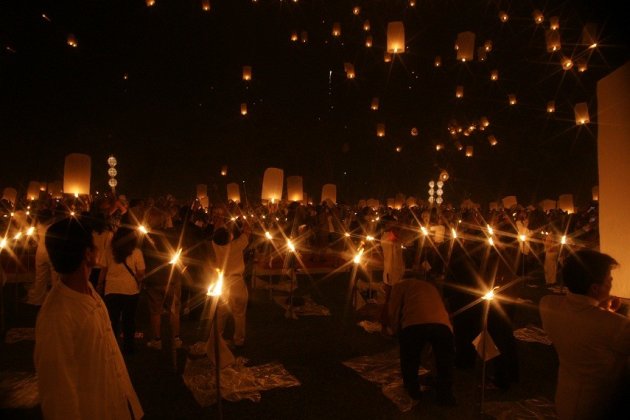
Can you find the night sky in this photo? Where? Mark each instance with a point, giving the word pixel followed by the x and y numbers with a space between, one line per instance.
pixel 161 88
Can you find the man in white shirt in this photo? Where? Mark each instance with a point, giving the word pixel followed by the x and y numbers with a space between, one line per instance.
pixel 592 341
pixel 81 372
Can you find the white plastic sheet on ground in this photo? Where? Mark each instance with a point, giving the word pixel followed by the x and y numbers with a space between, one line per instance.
pixel 532 334
pixel 384 369
pixel 18 390
pixel 238 382
pixel 19 334
pixel 534 408
pixel 308 308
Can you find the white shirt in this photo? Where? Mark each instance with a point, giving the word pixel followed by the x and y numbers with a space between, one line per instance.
pixel 118 279
pixel 102 243
pixel 393 263
pixel 593 346
pixel 81 373
pixel 229 258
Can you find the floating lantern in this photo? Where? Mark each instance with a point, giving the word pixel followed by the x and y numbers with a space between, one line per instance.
pixel 329 193
pixel 595 193
pixel 412 3
pixel 362 203
pixel 494 75
pixel 438 61
pixel 368 41
pixel 76 174
pixel 538 16
pixel 487 45
pixel 233 192
pixel 554 23
pixel 304 37
pixel 399 201
pixel 202 191
pixel 509 201
pixel 547 205
pixel 150 3
pixel 411 202
pixel 356 10
pixel 459 92
pixel 443 176
pixel 366 25
pixel 349 69
pixel 567 63
pixel 380 130
pixel 492 140
pixel 373 203
pixel 391 202
pixel 374 104
pixel 336 29
pixel 243 109
pixel 552 39
pixel 503 16
pixel 551 107
pixel 32 192
pixel 469 151
pixel 565 203
pixel 398 149
pixel 224 170
pixel 481 54
pixel 581 64
pixel 272 184
pixel 295 191
pixel 9 194
pixel 484 122
pixel 459 146
pixel 294 36
pixel 205 5
pixel 204 202
pixel 589 35
pixel 387 57
pixel 581 113
pixel 247 73
pixel 72 41
pixel 465 46
pixel 395 37
pixel 512 99
pixel 439 147
pixel 414 131
pixel 493 205
pixel 55 189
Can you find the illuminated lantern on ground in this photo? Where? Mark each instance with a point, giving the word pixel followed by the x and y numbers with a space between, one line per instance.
pixel 595 193
pixel 509 201
pixel 581 113
pixel 247 73
pixel 374 105
pixel 202 190
pixel 589 35
pixel 552 38
pixel 72 41
pixel 243 109
pixel 387 57
pixel 465 46
pixel 547 205
pixel 459 92
pixel 366 25
pixel 295 189
pixel 551 107
pixel 273 180
pixel 512 99
pixel 395 37
pixel 336 29
pixel 205 5
pixel 55 189
pixel 469 151
pixel 368 41
pixel 349 69
pixel 492 140
pixel 565 203
pixel 438 61
pixel 76 174
pixel 554 23
pixel 9 194
pixel 32 192
pixel 538 16
pixel 380 130
pixel 329 193
pixel 224 170
pixel 233 192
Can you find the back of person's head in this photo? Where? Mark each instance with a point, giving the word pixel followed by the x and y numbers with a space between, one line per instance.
pixel 221 236
pixel 66 242
pixel 585 268
pixel 98 222
pixel 123 243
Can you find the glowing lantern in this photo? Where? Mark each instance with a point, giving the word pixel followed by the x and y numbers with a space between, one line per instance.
pixel 243 109
pixel 509 201
pixel 368 41
pixel 589 35
pixel 438 61
pixel 493 205
pixel 204 202
pixel 487 45
pixel 205 5
pixel 247 73
pixel 538 16
pixel 443 176
pixel 399 201
pixel 554 23
pixel 336 29
pixel 329 193
pixel 512 99
pixel 484 122
pixel 294 36
pixel 398 149
pixel 581 113
pixel 582 64
pixel 55 189
pixel 380 130
pixel 567 63
pixel 202 190
pixel 72 41
pixel 492 140
pixel 465 46
pixel 304 37
pixel 9 194
pixel 551 107
pixel 366 25
pixel 552 38
pixel 459 91
pixel 387 57
pixel 272 184
pixel 295 191
pixel 233 192
pixel 503 16
pixel 469 151
pixel 439 147
pixel 349 69
pixel 414 131
pixel 150 3
pixel 356 10
pixel 547 205
pixel 595 193
pixel 395 37
pixel 390 202
pixel 76 174
pixel 459 146
pixel 374 105
pixel 32 192
pixel 494 75
pixel 411 202
pixel 373 203
pixel 412 3
pixel 481 54
pixel 224 170
pixel 565 203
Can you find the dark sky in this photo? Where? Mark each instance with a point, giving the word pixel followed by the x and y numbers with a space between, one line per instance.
pixel 176 119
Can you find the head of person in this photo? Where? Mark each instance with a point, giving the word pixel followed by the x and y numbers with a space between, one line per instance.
pixel 124 242
pixel 588 273
pixel 221 236
pixel 70 245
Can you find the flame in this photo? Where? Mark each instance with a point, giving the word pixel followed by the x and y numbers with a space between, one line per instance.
pixel 290 245
pixel 176 256
pixel 490 294
pixel 357 257
pixel 216 288
pixel 143 229
pixel 268 235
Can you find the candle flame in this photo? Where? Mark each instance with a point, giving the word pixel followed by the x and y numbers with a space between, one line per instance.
pixel 3 243
pixel 17 236
pixel 453 233
pixel 523 238
pixel 563 240
pixel 268 235
pixel 491 241
pixel 143 229
pixel 490 230
pixel 490 294
pixel 176 256
pixel 216 288
pixel 290 245
pixel 424 230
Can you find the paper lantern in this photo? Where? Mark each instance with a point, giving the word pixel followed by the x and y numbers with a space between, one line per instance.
pixel 396 37
pixel 551 107
pixel 224 170
pixel 272 184
pixel 469 151
pixel 398 149
pixel 294 36
pixel 589 35
pixel 380 130
pixel 366 25
pixel 493 205
pixel 336 29
pixel 72 41
pixel 547 205
pixel 552 39
pixel 487 45
pixel 205 5
pixel 414 131
pixel 390 202
pixel 581 64
pixel 368 41
pixel 374 104
pixel 438 61
pixel 202 190
pixel 512 99
pixel 439 146
pixel 459 146
pixel 567 63
pixel 412 3
pixel 411 202
pixel 295 190
pixel 509 201
pixel 150 3
pixel 595 193
pixel 443 176
pixel 304 37
pixel 565 203
pixel 349 69
pixel 243 109
pixel 32 192
pixel 373 203
pixel 538 16
pixel 329 193
pixel 554 23
pixel 55 189
pixel 494 75
pixel 492 140
pixel 481 54
pixel 459 92
pixel 9 194
pixel 484 122
pixel 362 203
pixel 247 73
pixel 581 113
pixel 204 202
pixel 233 192
pixel 387 57
pixel 465 46
pixel 356 10
pixel 503 16
pixel 76 174
pixel 399 201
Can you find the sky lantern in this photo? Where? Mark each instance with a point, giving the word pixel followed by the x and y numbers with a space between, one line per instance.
pixel 366 25
pixel 399 201
pixel 32 192
pixel 77 171
pixel 459 92
pixel 329 193
pixel 373 203
pixel 9 194
pixel 581 113
pixel 368 41
pixel 411 202
pixel 595 193
pixel 547 205
pixel 336 29
pixel 387 57
pixel 150 3
pixel 55 189
pixel 538 16
pixel 439 146
pixel 484 122
pixel 565 203
pixel 465 46
pixel 72 41
pixel 304 37
pixel 512 99
pixel 414 131
pixel 552 38
pixel 438 61
pixel 509 201
pixel 391 202
pixel 243 109
pixel 567 63
pixel 487 45
pixel 349 69
pixel 481 54
pixel 395 37
pixel 247 73
pixel 469 151
pixel 295 189
pixel 380 130
pixel 492 140
pixel 233 192
pixel 589 35
pixel 554 23
pixel 503 16
pixel 412 3
pixel 459 146
pixel 356 10
pixel 551 107
pixel 581 64
pixel 273 180
pixel 374 104
pixel 224 170
pixel 205 5
pixel 294 36
pixel 202 191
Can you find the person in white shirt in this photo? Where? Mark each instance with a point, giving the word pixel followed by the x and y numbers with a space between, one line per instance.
pixel 80 370
pixel 393 263
pixel 45 274
pixel 592 341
